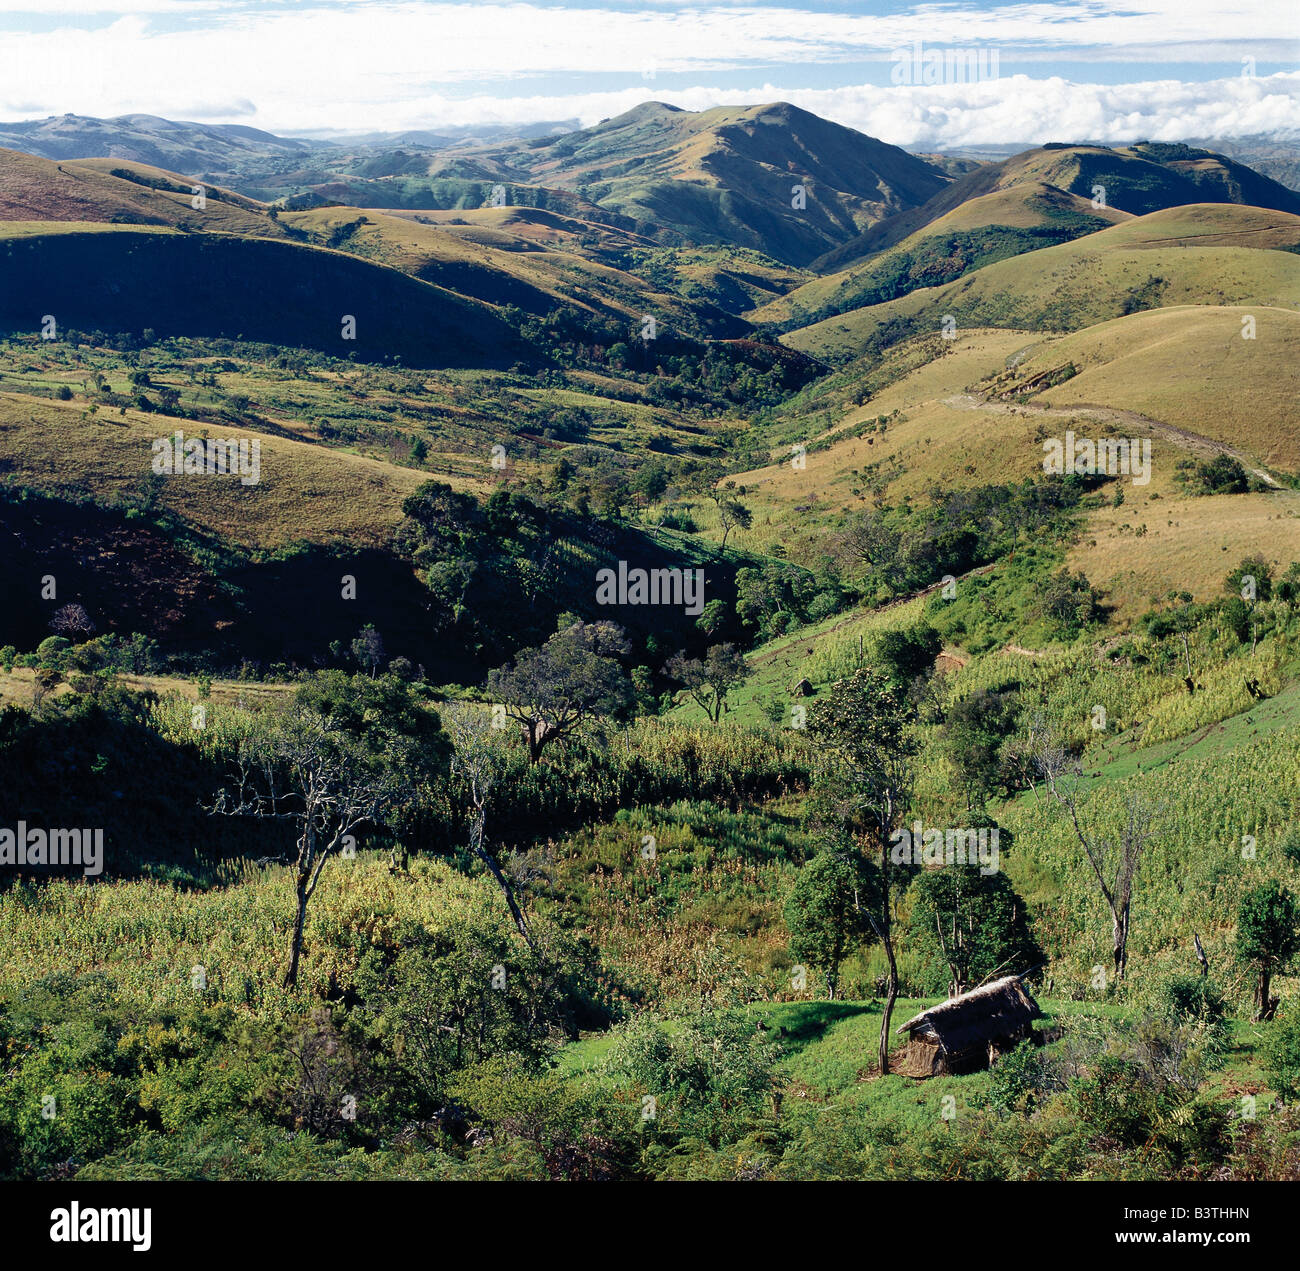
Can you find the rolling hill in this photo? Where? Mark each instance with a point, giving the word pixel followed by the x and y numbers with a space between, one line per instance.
pixel 978 232
pixel 1134 179
pixel 121 193
pixel 148 139
pixel 1209 254
pixel 727 175
pixel 104 277
pixel 1188 367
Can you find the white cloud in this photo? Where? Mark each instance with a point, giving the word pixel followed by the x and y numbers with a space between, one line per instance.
pixel 1011 109
pixel 382 65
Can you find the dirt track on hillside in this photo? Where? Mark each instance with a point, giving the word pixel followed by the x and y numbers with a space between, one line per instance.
pixel 1108 414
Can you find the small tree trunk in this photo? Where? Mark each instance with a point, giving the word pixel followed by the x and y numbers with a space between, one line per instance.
pixel 517 914
pixel 295 950
pixel 1261 994
pixel 1119 941
pixel 891 995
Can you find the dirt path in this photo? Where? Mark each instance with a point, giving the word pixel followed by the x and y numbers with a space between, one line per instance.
pixel 1020 648
pixel 1108 414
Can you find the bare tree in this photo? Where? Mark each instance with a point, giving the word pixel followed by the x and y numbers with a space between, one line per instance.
pixel 72 621
pixel 1114 861
pixel 336 759
pixel 477 767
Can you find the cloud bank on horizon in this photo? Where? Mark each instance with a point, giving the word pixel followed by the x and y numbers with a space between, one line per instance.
pixel 1105 70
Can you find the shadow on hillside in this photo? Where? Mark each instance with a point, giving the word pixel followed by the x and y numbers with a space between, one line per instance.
pixel 806 1022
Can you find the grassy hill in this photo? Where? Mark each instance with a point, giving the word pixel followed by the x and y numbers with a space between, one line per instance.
pixel 148 139
pixel 1188 367
pixel 726 175
pixel 1132 179
pixel 102 277
pixel 977 232
pixel 123 193
pixel 499 268
pixel 1145 263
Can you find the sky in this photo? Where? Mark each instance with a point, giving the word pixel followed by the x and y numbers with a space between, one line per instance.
pixel 1101 70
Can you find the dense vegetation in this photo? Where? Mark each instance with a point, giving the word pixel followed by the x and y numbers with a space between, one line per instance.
pixel 414 842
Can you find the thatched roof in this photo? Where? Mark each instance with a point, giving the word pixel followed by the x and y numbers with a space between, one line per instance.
pixel 1001 1009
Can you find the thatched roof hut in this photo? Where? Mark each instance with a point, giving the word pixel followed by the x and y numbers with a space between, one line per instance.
pixel 969 1032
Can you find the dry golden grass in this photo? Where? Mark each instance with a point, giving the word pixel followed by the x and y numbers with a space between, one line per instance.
pixel 306 492
pixel 1091 279
pixel 1191 368
pixel 34 189
pixel 932 442
pixel 1189 544
pixel 17 688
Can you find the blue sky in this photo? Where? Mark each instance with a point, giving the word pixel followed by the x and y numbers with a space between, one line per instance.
pixel 1102 69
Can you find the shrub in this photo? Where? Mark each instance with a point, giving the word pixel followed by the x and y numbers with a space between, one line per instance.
pixel 1281 1052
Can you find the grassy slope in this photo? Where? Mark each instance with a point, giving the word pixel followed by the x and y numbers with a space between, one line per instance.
pixel 222 285
pixel 87 190
pixel 725 175
pixel 960 239
pixel 1133 181
pixel 535 279
pixel 306 492
pixel 1189 367
pixel 1095 278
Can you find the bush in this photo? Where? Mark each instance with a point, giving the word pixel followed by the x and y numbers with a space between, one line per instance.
pixel 1018 1080
pixel 1281 1052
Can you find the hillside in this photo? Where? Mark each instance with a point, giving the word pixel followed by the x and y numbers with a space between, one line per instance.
pixel 493 265
pixel 121 193
pixel 570 744
pixel 1212 254
pixel 1188 367
pixel 980 231
pixel 726 175
pixel 105 277
pixel 1133 179
pixel 148 139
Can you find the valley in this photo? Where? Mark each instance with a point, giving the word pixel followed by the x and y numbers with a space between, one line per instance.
pixel 412 794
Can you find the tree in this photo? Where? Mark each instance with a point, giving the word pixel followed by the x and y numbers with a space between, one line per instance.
pixel 864 778
pixel 368 649
pixel 575 676
pixel 871 543
pixel 825 913
pixel 1114 861
pixel 714 618
pixel 732 513
pixel 1288 588
pixel 477 766
pixel 1268 938
pixel 1069 602
pixel 72 621
pixel 343 754
pixel 708 680
pixel 972 924
pixel 1251 584
pixel 975 733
